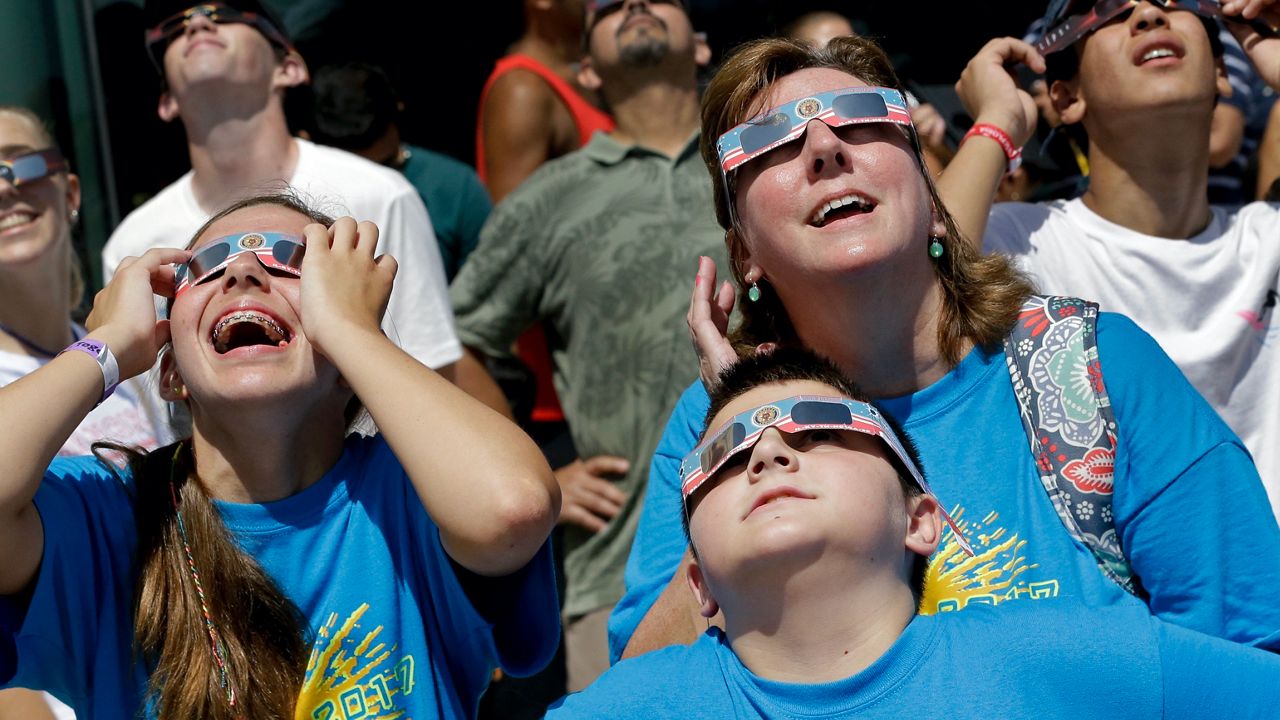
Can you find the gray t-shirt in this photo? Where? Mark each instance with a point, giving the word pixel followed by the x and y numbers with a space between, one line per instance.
pixel 600 245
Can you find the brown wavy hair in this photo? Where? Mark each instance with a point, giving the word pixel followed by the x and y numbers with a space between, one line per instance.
pixel 982 294
pixel 262 633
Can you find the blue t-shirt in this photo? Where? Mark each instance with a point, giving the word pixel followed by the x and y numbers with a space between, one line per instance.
pixel 392 627
pixel 1038 660
pixel 1189 508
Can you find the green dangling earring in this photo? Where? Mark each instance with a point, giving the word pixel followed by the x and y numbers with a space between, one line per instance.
pixel 753 293
pixel 935 248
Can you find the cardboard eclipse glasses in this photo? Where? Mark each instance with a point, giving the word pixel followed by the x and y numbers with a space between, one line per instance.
pixel 1064 34
pixel 790 415
pixel 277 251
pixel 159 37
pixel 32 166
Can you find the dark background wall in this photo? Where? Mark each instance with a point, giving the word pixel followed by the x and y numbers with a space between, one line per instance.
pixel 439 55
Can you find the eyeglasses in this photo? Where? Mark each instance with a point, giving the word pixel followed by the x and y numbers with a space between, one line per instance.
pixel 795 414
pixel 277 251
pixel 780 125
pixel 32 166
pixel 159 37
pixel 1066 33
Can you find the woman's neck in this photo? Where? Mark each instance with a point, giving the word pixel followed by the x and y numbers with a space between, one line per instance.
pixel 880 331
pixel 35 304
pixel 260 457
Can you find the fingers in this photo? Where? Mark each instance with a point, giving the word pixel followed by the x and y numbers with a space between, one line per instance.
pixel 602 465
pixel 574 515
pixel 725 299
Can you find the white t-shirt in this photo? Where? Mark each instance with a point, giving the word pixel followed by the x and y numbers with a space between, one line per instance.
pixel 419 316
pixel 134 415
pixel 1209 300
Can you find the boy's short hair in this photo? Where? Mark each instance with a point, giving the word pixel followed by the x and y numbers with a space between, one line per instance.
pixel 791 364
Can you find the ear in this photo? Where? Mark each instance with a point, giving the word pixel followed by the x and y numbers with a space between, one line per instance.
pixel 167 107
pixel 1066 98
pixel 1221 81
pixel 73 192
pixel 172 388
pixel 937 226
pixel 701 50
pixel 740 255
pixel 707 605
pixel 291 72
pixel 924 524
pixel 587 76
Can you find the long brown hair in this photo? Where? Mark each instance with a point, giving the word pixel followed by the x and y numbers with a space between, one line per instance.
pixel 981 294
pixel 260 635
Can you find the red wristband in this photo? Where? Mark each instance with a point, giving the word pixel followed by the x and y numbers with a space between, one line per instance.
pixel 1012 154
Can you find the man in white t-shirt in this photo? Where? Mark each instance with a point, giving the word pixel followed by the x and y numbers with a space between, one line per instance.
pixel 226 67
pixel 1143 240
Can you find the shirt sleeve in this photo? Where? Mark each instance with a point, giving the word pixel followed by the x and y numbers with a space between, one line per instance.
pixel 1190 509
pixel 79 612
pixel 418 316
pixel 660 543
pixel 1204 676
pixel 498 292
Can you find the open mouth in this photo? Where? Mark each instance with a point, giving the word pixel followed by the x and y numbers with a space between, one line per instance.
pixel 840 208
pixel 247 328
pixel 15 219
pixel 778 494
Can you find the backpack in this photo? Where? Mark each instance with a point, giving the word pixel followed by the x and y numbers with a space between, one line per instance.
pixel 1052 353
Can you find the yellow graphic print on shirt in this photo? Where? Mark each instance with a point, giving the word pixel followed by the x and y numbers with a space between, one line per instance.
pixel 992 576
pixel 351 676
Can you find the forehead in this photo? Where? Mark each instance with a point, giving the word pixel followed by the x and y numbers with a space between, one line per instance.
pixel 770 392
pixel 18 134
pixel 258 217
pixel 804 83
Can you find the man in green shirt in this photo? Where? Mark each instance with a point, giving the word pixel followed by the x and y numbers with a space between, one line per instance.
pixel 601 245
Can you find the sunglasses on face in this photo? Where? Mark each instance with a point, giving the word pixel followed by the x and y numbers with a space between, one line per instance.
pixel 792 415
pixel 276 251
pixel 32 166
pixel 1066 33
pixel 787 122
pixel 159 37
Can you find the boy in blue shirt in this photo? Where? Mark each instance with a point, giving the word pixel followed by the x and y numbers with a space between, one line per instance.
pixel 810 525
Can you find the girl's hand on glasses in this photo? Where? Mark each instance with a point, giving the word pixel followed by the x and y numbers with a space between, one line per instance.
pixel 124 312
pixel 344 287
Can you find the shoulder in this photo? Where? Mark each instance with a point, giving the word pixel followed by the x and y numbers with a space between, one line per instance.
pixel 520 86
pixel 83 485
pixel 641 687
pixel 323 169
pixel 1255 218
pixel 1011 225
pixel 157 218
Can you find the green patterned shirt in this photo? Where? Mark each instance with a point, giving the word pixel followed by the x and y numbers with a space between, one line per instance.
pixel 600 245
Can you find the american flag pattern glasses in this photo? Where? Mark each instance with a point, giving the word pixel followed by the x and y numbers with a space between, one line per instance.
pixel 794 414
pixel 278 251
pixel 782 124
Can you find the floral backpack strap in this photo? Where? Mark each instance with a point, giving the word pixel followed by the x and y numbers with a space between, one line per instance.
pixel 1052 354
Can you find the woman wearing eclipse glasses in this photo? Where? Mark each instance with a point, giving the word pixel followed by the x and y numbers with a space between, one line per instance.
pixel 270 564
pixel 841 243
pixel 40 284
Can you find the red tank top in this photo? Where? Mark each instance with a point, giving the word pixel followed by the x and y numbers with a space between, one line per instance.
pixel 586 116
pixel 532 345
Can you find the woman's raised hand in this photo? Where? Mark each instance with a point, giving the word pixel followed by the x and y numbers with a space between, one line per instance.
pixel 124 312
pixel 708 321
pixel 343 285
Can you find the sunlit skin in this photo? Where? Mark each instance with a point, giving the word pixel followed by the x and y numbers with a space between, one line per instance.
pixel 779 192
pixel 232 53
pixel 809 524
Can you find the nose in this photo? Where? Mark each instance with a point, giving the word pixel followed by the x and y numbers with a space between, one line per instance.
pixel 772 454
pixel 824 152
pixel 245 272
pixel 1148 16
pixel 198 22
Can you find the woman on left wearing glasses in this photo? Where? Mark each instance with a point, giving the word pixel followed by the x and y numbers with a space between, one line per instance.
pixel 40 283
